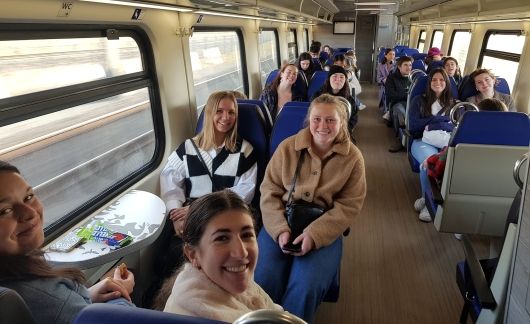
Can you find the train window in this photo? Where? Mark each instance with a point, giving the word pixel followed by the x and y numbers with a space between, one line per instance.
pixel 292 45
pixel 305 35
pixel 421 41
pixel 77 115
pixel 437 37
pixel 67 64
pixel 216 61
pixel 268 51
pixel 501 52
pixel 459 46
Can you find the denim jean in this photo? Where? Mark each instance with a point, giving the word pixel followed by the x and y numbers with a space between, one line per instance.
pixel 421 151
pixel 398 109
pixel 299 284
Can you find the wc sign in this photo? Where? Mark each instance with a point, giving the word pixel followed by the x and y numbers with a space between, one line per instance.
pixel 65 9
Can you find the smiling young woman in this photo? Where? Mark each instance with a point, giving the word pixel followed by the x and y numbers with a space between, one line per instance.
pixel 300 280
pixel 221 250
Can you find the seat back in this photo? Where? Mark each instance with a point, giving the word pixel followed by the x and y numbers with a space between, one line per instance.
pixel 272 75
pixel 265 113
pixel 288 123
pixel 13 309
pixel 409 52
pixel 251 127
pixel 478 185
pixel 419 56
pixel 109 313
pixel 435 65
pixel 468 88
pixel 317 82
pixel 418 65
pixel 499 283
pixel 417 88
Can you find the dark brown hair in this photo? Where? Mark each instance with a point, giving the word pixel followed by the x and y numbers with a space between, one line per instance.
pixel 207 207
pixel 446 97
pixel 33 264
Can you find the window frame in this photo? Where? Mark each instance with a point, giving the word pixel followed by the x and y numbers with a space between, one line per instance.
pixel 289 44
pixel 306 33
pixel 277 37
pixel 432 36
pixel 453 34
pixel 495 53
pixel 241 39
pixel 420 40
pixel 22 107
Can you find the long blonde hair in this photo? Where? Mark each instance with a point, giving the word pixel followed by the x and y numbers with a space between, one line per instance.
pixel 342 110
pixel 206 138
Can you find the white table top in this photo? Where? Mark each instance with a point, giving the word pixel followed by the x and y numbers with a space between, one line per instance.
pixel 138 213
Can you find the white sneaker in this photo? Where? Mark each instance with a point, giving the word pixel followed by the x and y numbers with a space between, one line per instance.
pixel 362 106
pixel 425 216
pixel 458 236
pixel 386 116
pixel 419 204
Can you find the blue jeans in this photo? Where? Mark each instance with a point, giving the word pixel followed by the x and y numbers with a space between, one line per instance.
pixel 398 113
pixel 299 284
pixel 421 151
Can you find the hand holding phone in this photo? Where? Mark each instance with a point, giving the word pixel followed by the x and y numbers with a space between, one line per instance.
pixel 296 248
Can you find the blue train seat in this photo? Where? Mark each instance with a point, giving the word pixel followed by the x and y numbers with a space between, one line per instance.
pixel 272 75
pixel 409 52
pixel 417 88
pixel 288 123
pixel 398 49
pixel 13 308
pixel 264 112
pixel 251 127
pixel 468 88
pixel 435 65
pixel 484 283
pixel 478 187
pixel 419 56
pixel 324 56
pixel 317 82
pixel 418 65
pixel 108 313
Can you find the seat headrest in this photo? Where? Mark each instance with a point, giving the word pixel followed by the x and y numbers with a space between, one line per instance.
pixel 494 128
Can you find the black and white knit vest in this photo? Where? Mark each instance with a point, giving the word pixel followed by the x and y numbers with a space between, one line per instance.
pixel 226 168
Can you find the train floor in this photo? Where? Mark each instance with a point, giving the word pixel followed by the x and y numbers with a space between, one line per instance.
pixel 395 268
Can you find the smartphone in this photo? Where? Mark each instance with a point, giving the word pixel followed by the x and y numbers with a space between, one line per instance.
pixel 67 243
pixel 293 247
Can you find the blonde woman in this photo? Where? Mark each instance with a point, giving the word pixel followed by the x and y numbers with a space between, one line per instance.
pixel 215 159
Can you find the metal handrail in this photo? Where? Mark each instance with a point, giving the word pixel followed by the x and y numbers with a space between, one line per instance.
pixel 269 316
pixel 457 106
pixel 516 169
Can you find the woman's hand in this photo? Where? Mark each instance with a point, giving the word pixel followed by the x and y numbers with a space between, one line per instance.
pixel 178 216
pixel 307 243
pixel 283 239
pixel 127 282
pixel 107 289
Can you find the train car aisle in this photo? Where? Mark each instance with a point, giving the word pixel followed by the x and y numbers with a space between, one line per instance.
pixel 395 269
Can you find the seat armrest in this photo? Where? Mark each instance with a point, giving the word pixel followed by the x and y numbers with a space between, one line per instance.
pixel 484 294
pixel 436 191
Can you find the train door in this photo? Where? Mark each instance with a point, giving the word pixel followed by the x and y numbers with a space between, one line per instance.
pixel 364 44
